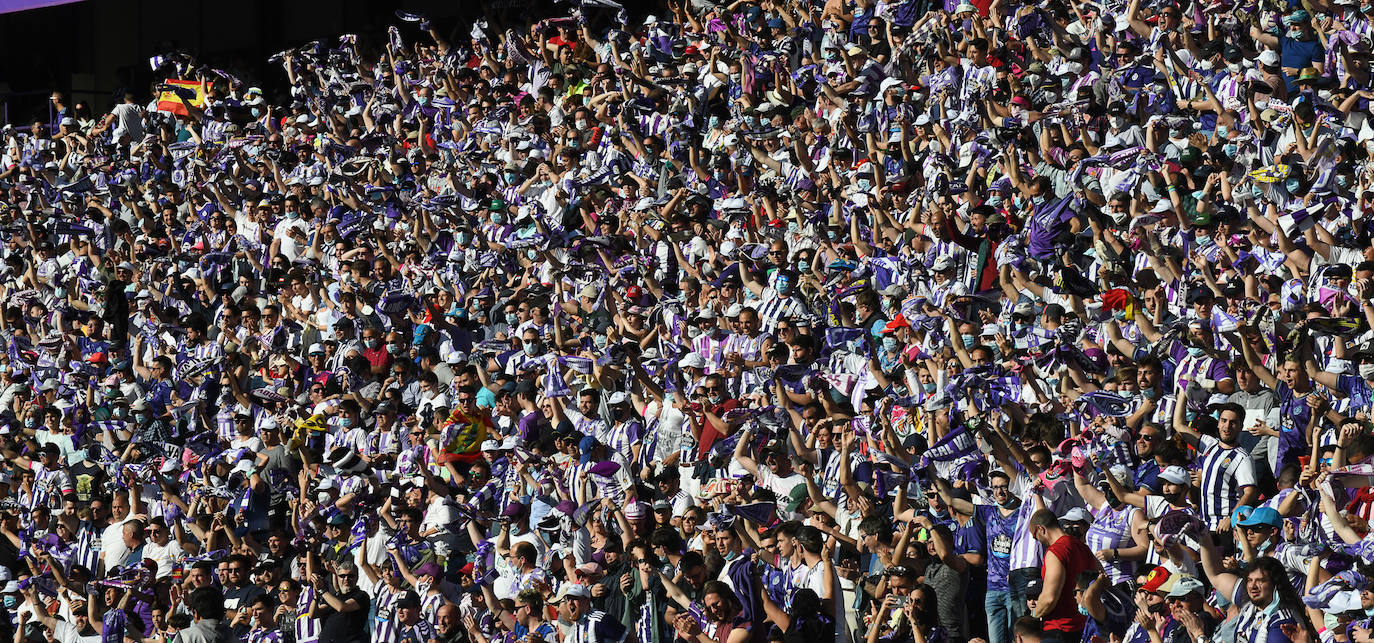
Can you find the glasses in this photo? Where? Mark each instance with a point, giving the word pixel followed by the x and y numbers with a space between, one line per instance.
pixel 466 400
pixel 1146 438
pixel 353 575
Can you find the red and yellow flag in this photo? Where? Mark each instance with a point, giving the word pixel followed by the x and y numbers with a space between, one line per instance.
pixel 168 101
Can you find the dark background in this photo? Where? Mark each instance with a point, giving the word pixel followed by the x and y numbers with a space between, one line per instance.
pixel 92 49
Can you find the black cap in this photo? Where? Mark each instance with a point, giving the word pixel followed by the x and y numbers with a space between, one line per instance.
pixel 1232 54
pixel 409 600
pixel 1200 294
pixel 1339 271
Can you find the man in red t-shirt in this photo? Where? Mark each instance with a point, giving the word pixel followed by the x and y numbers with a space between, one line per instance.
pixel 1065 558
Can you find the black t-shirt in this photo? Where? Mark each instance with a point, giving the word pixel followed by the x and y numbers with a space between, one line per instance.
pixel 344 627
pixel 241 598
pixel 87 478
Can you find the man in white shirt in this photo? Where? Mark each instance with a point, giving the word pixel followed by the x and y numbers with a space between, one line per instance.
pixel 113 551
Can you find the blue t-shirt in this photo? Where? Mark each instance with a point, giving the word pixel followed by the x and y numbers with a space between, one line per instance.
pixel 999 533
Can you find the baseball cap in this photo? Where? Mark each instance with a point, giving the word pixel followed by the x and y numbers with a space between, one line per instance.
pixel 1262 517
pixel 1174 474
pixel 571 590
pixel 1156 580
pixel 1183 586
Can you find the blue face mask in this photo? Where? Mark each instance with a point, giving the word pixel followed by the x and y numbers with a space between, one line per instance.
pixel 1292 185
pixel 599 341
pixel 345 422
pixel 256 112
pixel 512 319
pixel 1039 200
pixel 1018 201
pixel 1222 131
pixel 140 417
pixel 864 185
pixel 1196 351
pixel 890 344
pixel 423 100
pixel 713 122
pixel 531 348
pixel 462 238
pixel 793 227
pixel 11 602
pixel 532 254
pixel 968 340
pixel 510 178
pixel 30 423
pixel 1083 610
pixel 929 387
pixel 498 218
pixel 1342 181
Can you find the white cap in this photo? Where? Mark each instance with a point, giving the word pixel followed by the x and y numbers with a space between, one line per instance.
pixel 1269 58
pixel 618 397
pixel 1163 205
pixel 1077 514
pixel 692 360
pixel 1174 475
pixel 243 466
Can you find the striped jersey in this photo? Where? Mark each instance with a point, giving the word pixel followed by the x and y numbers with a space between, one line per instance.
pixel 1225 472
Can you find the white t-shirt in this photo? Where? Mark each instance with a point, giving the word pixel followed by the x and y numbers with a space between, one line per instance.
pixel 165 556
pixel 65 632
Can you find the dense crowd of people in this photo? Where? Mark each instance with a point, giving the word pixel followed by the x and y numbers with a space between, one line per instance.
pixel 776 320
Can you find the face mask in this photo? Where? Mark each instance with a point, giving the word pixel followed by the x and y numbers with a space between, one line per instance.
pixel 1230 150
pixel 720 176
pixel 11 602
pixel 423 100
pixel 693 332
pixel 462 238
pixel 30 423
pixel 1222 131
pixel 1082 610
pixel 1158 608
pixel 345 422
pixel 864 185
pixel 531 348
pixel 1343 181
pixel 1367 371
pixel 716 398
pixel 968 340
pixel 394 349
pixel 1295 34
pixel 599 341
pixel 1195 351
pixel 929 387
pixel 1150 393
pixel 512 319
pixel 510 178
pixel 1206 65
pixel 573 144
pixel 1039 200
pixel 370 343
pixel 531 254
pixel 713 122
pixel 1119 122
pixel 784 286
pixel 890 344
pixel 581 125
pixel 498 218
pixel 1292 185
pixel 140 417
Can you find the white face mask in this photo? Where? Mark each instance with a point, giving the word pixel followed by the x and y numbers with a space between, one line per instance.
pixel 1367 371
pixel 1234 68
pixel 1119 122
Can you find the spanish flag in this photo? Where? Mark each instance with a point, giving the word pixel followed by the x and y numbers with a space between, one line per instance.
pixel 168 101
